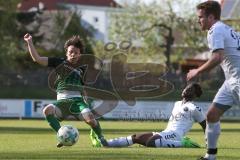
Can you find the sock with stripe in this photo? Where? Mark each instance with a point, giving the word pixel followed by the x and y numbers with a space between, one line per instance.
pixel 120 142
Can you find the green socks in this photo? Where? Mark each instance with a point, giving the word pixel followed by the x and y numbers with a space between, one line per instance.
pixel 98 130
pixel 53 122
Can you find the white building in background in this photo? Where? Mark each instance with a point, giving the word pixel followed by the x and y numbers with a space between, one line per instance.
pixel 94 13
pixel 94 16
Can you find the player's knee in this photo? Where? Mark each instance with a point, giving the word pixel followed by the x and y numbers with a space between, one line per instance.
pixel 214 113
pixel 209 117
pixel 139 139
pixel 91 122
pixel 48 110
pixel 212 116
pixel 151 141
pixel 89 117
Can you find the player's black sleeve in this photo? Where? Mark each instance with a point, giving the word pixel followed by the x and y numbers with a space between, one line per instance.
pixel 83 71
pixel 54 61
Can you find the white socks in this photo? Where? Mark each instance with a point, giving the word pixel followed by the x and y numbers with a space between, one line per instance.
pixel 127 141
pixel 210 156
pixel 120 142
pixel 213 131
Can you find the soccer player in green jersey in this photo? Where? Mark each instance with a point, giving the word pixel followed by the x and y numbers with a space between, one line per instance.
pixel 69 86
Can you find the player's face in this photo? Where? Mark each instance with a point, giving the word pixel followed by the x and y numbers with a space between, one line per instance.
pixel 188 93
pixel 73 54
pixel 203 20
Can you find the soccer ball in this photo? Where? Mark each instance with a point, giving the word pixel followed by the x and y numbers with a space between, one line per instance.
pixel 67 135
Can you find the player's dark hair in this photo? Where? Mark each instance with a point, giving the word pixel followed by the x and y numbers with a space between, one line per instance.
pixel 198 89
pixel 211 7
pixel 76 41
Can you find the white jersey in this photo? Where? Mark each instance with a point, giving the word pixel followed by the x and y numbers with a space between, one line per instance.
pixel 222 36
pixel 183 116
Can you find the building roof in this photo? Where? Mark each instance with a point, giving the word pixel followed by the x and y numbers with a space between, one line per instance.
pixel 26 5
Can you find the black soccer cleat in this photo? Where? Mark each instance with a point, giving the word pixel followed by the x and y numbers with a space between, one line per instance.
pixel 59 145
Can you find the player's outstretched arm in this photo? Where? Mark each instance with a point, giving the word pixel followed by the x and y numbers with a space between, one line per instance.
pixel 216 59
pixel 34 54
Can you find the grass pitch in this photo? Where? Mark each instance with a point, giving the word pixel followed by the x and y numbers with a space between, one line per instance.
pixel 34 140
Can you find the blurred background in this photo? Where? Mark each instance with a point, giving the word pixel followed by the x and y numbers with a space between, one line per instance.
pixel 144 33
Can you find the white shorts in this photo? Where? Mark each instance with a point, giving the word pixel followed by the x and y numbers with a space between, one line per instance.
pixel 228 94
pixel 169 135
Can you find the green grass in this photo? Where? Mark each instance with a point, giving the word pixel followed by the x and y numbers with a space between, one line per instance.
pixel 34 140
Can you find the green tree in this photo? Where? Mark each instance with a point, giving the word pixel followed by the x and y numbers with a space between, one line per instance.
pixel 13 25
pixel 72 26
pixel 154 27
pixel 8 31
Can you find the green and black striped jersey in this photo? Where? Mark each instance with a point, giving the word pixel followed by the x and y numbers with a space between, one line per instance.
pixel 67 77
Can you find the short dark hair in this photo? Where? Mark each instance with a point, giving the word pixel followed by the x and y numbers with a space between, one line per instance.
pixel 211 7
pixel 76 41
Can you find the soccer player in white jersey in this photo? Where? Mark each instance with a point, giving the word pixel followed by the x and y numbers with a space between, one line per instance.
pixel 224 44
pixel 184 114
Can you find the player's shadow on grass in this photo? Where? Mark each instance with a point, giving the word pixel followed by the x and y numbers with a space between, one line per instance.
pixel 100 154
pixel 36 130
pixel 30 130
pixel 86 155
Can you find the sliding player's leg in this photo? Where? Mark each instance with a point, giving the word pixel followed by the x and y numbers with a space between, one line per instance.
pixel 141 138
pixel 170 140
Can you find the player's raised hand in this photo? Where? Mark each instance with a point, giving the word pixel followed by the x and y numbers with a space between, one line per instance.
pixel 27 37
pixel 191 74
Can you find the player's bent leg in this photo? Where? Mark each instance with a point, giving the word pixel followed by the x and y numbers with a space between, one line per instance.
pixel 49 109
pixel 141 138
pixel 94 139
pixel 151 142
pixel 120 142
pixel 89 117
pixel 158 141
pixel 215 112
pixel 129 140
pixel 96 136
pixel 49 112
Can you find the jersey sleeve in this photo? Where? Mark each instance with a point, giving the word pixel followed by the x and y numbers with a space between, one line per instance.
pixel 82 70
pixel 215 39
pixel 54 62
pixel 198 115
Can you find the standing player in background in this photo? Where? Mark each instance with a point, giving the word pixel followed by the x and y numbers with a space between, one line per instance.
pixel 184 114
pixel 69 87
pixel 224 44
